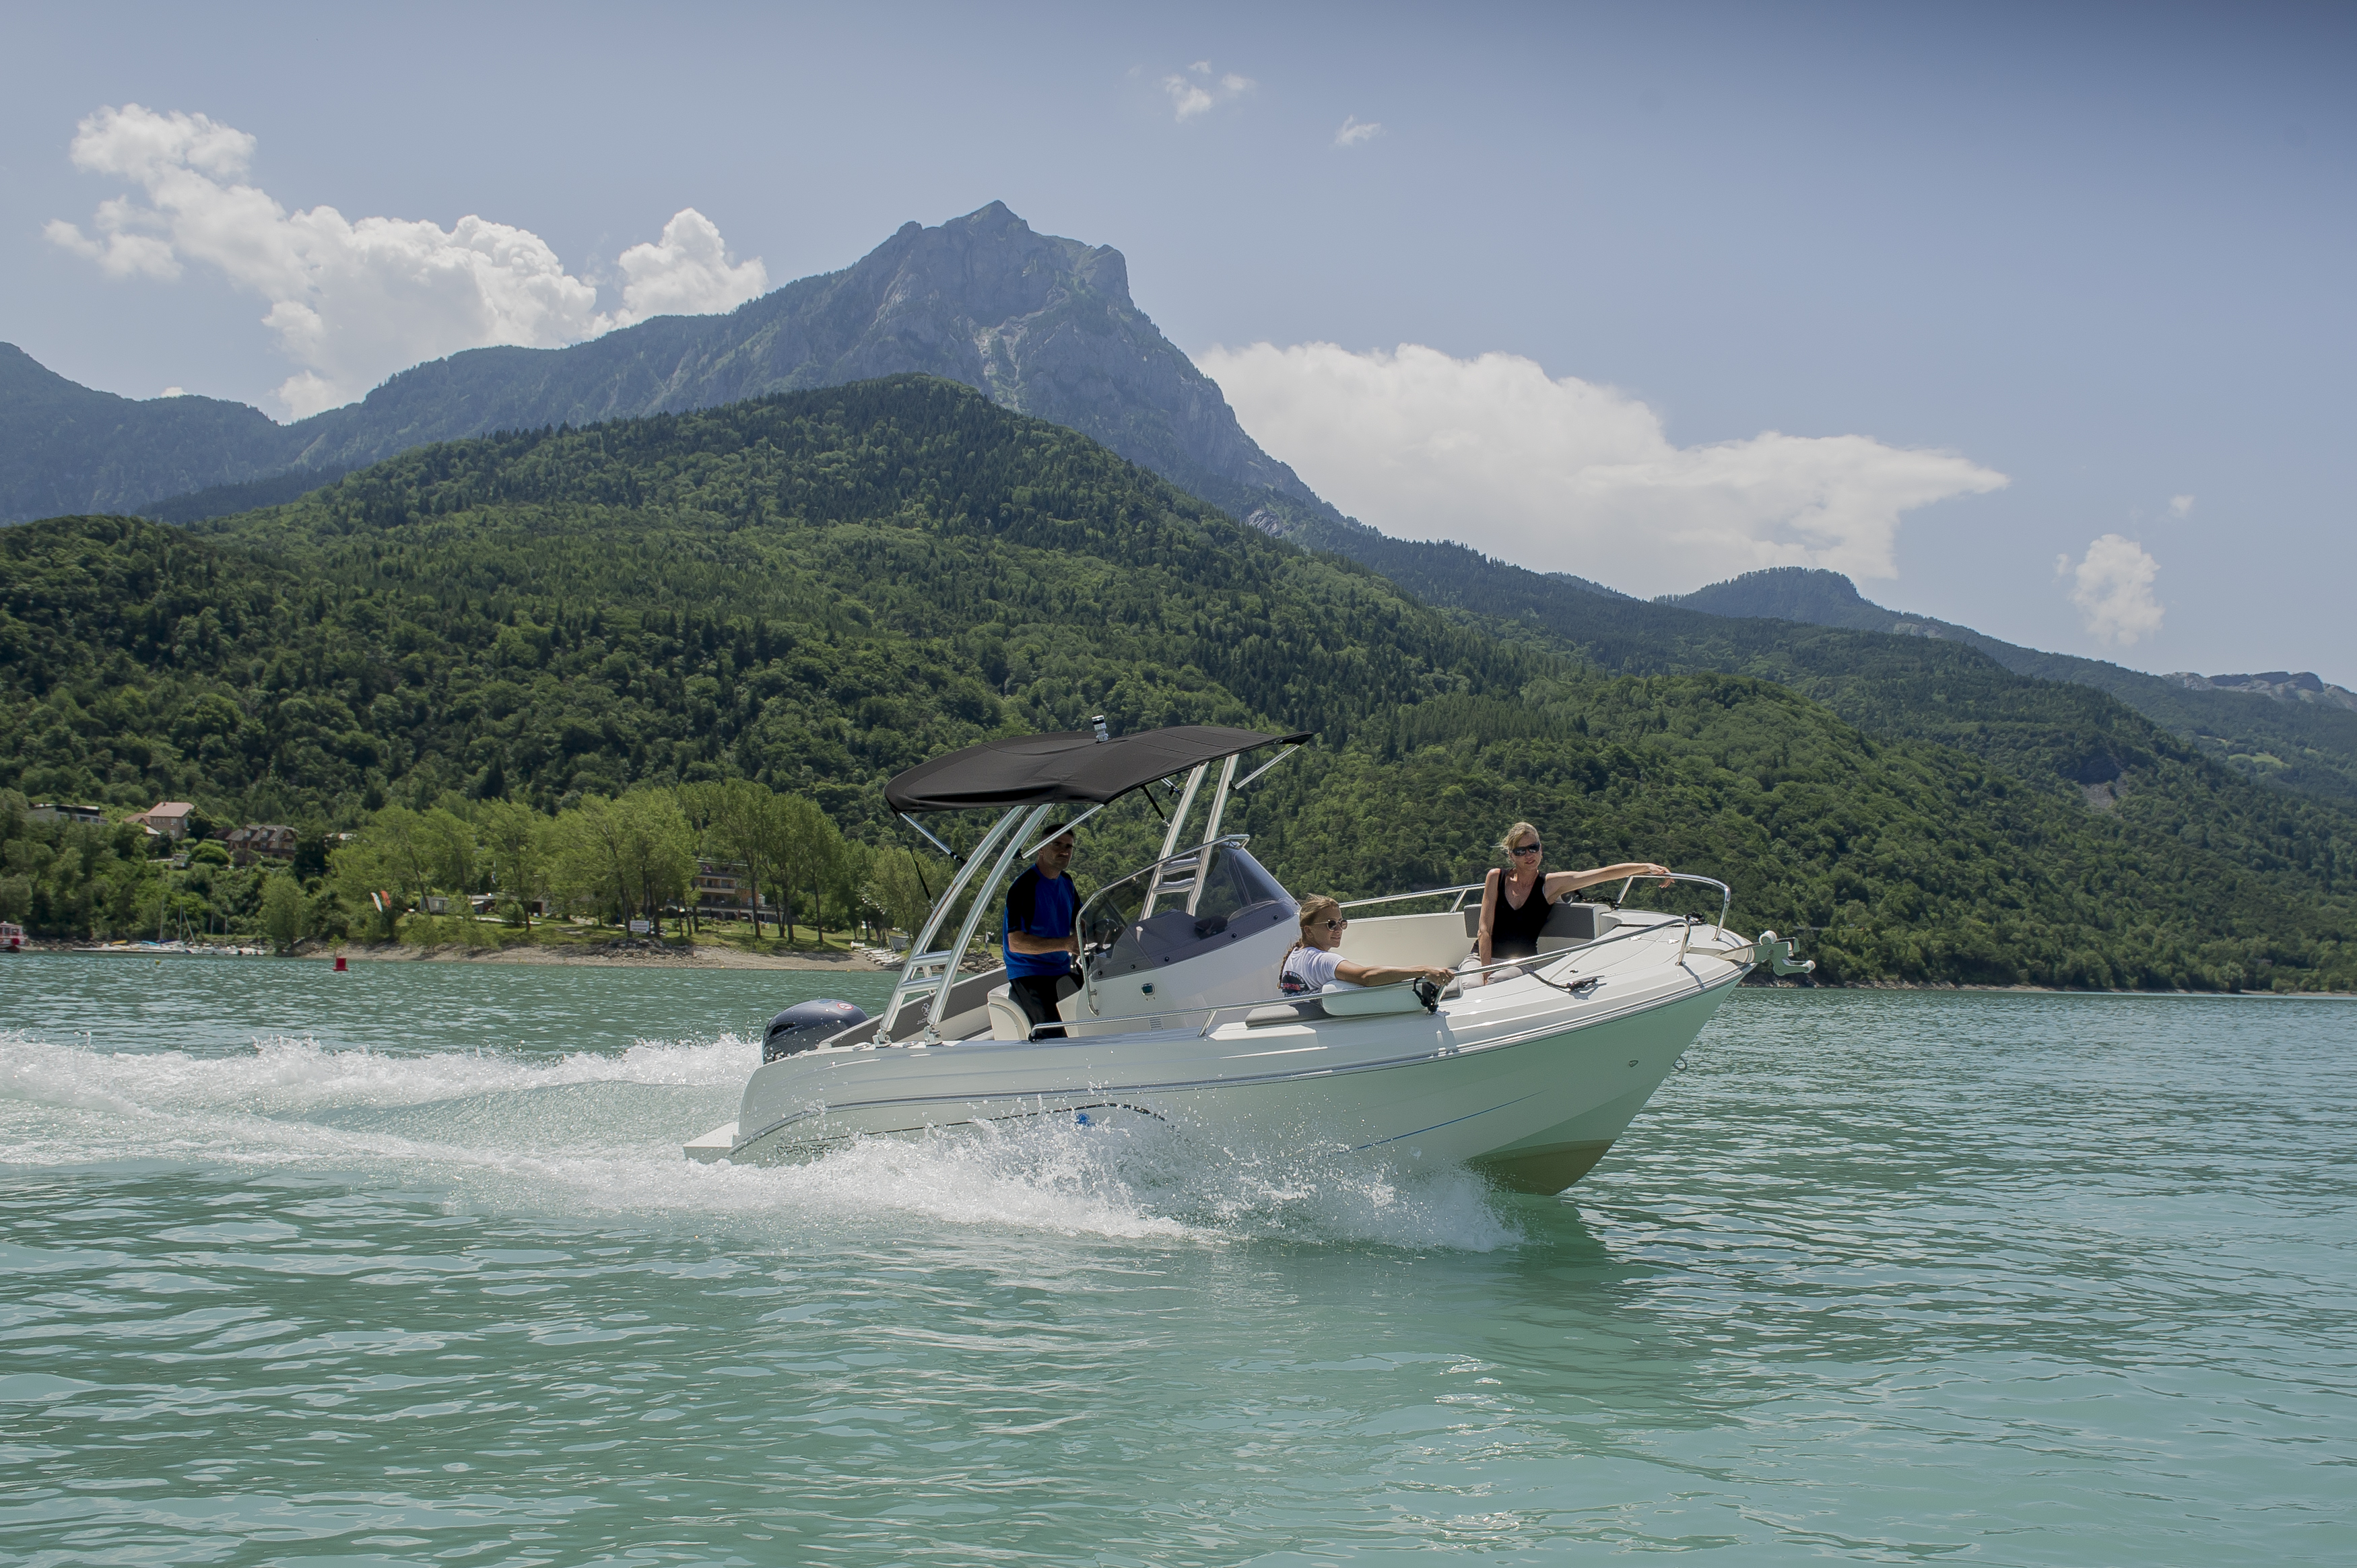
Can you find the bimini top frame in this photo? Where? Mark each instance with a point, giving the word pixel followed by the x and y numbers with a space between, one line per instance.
pixel 1029 777
pixel 1071 768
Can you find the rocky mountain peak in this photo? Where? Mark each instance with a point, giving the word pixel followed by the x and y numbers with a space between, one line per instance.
pixel 1043 324
pixel 2282 685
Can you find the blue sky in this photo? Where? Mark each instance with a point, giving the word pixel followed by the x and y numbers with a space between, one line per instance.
pixel 2102 252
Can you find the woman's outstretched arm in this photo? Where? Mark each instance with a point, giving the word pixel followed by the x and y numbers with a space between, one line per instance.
pixel 1392 974
pixel 1559 883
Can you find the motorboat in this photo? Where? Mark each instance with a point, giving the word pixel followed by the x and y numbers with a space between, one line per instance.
pixel 1526 1071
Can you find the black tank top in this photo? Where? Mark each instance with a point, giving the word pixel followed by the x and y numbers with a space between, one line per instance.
pixel 1514 933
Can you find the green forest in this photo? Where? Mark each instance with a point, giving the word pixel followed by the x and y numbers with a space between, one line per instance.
pixel 2045 715
pixel 494 864
pixel 810 592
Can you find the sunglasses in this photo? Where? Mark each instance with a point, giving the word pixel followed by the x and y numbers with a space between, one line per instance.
pixel 1527 849
pixel 1338 924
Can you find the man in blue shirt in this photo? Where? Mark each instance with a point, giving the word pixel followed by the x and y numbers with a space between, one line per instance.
pixel 1037 935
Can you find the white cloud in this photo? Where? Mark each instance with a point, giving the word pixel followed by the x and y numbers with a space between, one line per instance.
pixel 686 273
pixel 353 301
pixel 1355 130
pixel 2181 506
pixel 1197 90
pixel 1564 474
pixel 1186 97
pixel 2112 585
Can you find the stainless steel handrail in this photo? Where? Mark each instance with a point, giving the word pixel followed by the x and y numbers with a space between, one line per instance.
pixel 1726 900
pixel 1725 893
pixel 904 991
pixel 1531 966
pixel 1556 959
pixel 983 891
pixel 1455 986
pixel 1428 892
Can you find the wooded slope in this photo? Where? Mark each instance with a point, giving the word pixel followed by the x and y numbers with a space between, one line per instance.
pixel 819 588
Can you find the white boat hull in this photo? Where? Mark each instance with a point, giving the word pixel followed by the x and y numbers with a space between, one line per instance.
pixel 1519 1080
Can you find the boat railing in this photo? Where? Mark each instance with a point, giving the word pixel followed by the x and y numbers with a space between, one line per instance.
pixel 1726 896
pixel 1457 904
pixel 1211 1010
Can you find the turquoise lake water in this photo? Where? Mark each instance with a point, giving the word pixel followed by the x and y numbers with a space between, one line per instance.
pixel 403 1266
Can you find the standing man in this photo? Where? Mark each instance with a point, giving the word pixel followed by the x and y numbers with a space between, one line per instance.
pixel 1037 937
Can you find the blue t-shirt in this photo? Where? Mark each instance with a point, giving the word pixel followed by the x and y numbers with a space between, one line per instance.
pixel 1039 908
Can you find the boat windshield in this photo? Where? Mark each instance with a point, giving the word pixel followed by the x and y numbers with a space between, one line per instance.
pixel 1236 897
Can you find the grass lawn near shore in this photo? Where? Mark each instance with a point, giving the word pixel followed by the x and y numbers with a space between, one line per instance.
pixel 557 935
pixel 738 935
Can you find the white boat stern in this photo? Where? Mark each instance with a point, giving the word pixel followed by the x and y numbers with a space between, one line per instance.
pixel 714 1145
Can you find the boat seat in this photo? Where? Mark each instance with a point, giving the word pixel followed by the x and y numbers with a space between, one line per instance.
pixel 1371 1002
pixel 1007 1022
pixel 1569 924
pixel 1338 1001
pixel 1308 1010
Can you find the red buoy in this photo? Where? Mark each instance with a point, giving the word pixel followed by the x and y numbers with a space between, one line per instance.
pixel 339 963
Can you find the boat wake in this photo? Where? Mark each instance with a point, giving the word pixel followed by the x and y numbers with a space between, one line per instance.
pixel 595 1137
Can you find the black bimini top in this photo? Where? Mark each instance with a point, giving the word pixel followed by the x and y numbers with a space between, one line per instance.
pixel 1073 765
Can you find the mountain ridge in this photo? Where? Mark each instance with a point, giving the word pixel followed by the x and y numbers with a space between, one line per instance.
pixel 817 588
pixel 2270 725
pixel 1821 597
pixel 1045 326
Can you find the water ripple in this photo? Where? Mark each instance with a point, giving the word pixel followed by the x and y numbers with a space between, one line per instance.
pixel 2012 1279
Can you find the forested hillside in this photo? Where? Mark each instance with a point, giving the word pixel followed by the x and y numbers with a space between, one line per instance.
pixel 1046 326
pixel 2053 720
pixel 817 589
pixel 2308 748
pixel 64 446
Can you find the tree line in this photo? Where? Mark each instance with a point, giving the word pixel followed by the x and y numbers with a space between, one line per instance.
pixel 811 593
pixel 628 857
pixel 611 859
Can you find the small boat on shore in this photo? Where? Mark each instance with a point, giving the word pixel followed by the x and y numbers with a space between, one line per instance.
pixel 1526 1071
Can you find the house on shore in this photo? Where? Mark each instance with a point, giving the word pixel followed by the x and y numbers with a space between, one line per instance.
pixel 260 840
pixel 723 888
pixel 167 818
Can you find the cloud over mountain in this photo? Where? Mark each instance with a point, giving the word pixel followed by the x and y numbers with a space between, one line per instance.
pixel 352 301
pixel 2112 586
pixel 686 273
pixel 1564 475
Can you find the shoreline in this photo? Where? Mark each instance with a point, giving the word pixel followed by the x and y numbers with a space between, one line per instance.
pixel 669 956
pixel 1974 988
pixel 602 955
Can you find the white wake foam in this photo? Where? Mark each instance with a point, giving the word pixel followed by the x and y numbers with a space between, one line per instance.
pixel 590 1134
pixel 283 1076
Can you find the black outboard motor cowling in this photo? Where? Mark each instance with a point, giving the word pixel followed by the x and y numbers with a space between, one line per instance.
pixel 804 1025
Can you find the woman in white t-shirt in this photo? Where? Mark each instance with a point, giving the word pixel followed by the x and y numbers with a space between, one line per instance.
pixel 1312 964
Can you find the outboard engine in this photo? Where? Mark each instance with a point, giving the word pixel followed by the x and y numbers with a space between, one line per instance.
pixel 804 1025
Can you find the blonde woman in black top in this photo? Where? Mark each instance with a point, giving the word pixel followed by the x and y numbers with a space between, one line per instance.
pixel 1516 898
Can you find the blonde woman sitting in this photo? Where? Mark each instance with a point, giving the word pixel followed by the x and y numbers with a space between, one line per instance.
pixel 1516 897
pixel 1313 964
